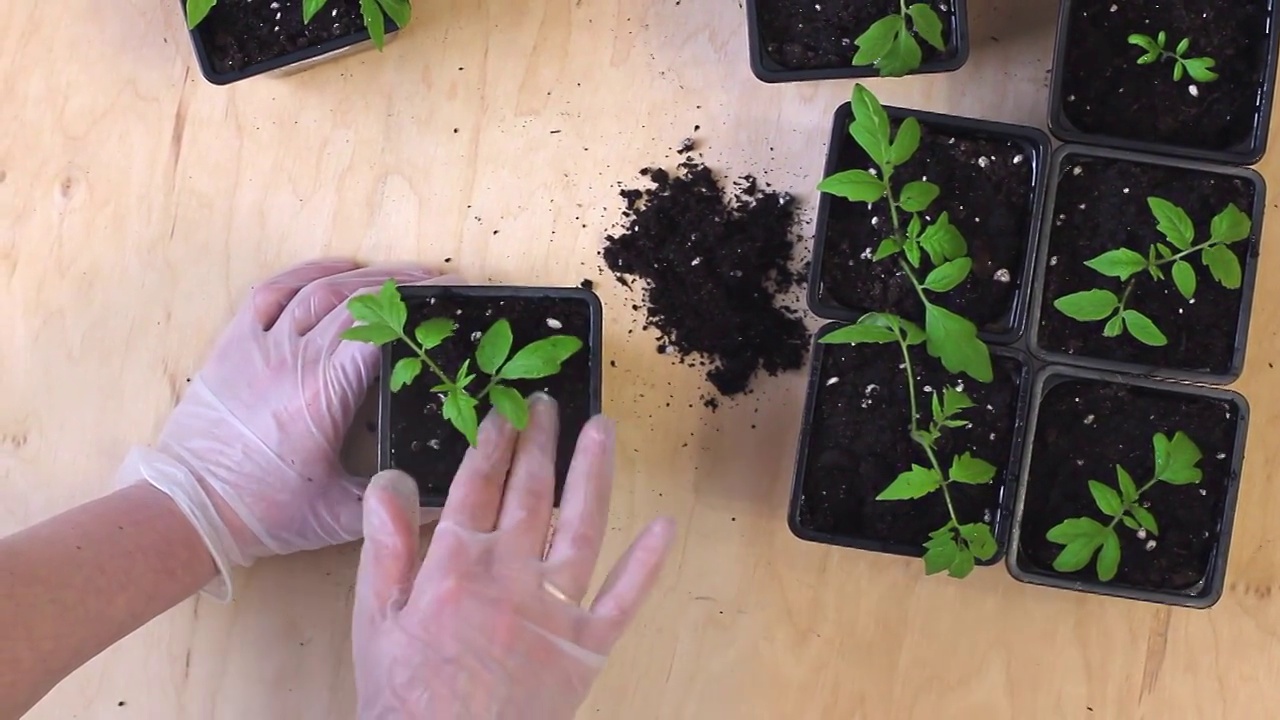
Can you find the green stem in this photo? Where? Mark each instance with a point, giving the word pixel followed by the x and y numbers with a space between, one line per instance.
pixel 1126 506
pixel 915 430
pixel 911 385
pixel 422 354
pixel 915 281
pixel 1128 290
pixel 1184 253
pixel 946 494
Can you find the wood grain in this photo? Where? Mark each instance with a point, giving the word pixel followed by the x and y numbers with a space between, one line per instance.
pixel 137 204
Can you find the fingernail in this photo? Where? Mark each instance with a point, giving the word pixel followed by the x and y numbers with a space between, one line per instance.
pixel 540 399
pixel 607 428
pixel 399 484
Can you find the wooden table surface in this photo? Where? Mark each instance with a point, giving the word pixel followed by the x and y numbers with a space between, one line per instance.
pixel 138 203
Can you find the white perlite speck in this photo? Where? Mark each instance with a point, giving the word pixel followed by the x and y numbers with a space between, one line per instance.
pixel 983 161
pixel 1142 533
pixel 475 336
pixel 1151 545
pixel 870 388
pixel 1088 420
pixel 832 381
pixel 1017 159
pixel 1195 91
pixel 1077 170
pixel 554 324
pixel 1002 276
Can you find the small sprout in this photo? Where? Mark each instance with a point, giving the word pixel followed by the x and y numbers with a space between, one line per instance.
pixel 1084 537
pixel 382 319
pixel 374 13
pixel 1199 68
pixel 1229 226
pixel 890 44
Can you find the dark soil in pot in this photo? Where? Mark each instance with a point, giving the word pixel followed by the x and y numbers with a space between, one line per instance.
pixel 988 189
pixel 1105 91
pixel 1084 429
pixel 858 444
pixel 240 33
pixel 1101 204
pixel 428 447
pixel 819 34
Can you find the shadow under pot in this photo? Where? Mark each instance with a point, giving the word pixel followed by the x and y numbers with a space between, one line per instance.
pixel 413 433
pixel 240 39
pixel 799 40
pixel 856 441
pixel 991 181
pixel 1192 78
pixel 1147 265
pixel 1129 487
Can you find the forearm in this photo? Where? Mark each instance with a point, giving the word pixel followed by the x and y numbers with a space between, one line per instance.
pixel 78 582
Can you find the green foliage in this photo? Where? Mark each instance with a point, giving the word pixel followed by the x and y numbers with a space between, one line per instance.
pixel 1199 68
pixel 1083 537
pixel 912 237
pixel 383 316
pixel 1229 226
pixel 890 43
pixel 954 547
pixel 374 13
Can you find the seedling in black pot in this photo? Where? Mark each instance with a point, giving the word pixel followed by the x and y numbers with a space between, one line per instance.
pixel 1199 68
pixel 891 43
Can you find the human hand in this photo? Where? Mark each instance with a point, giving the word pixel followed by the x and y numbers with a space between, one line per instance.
pixel 250 454
pixel 490 626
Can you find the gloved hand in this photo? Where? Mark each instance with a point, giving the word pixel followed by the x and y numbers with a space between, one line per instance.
pixel 250 454
pixel 489 626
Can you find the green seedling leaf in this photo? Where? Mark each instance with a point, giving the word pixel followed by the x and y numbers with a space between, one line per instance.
pixel 1088 305
pixel 1230 225
pixel 940 557
pixel 888 248
pixel 912 333
pixel 464 375
pixel 400 11
pixel 197 11
pixel 936 407
pixel 971 470
pixel 1145 519
pixel 917 195
pixel 460 409
pixel 877 40
pixel 1162 38
pixel 1172 222
pixel 1130 523
pixel 954 340
pixel 906 142
pixel 310 8
pixel 914 483
pixel 1184 277
pixel 1199 69
pixel 912 250
pixel 860 334
pixel 406 370
pixel 375 334
pixel 433 332
pixel 1122 263
pixel 1145 42
pixel 1179 70
pixel 494 347
pixel 511 405
pixel 1082 538
pixel 903 56
pixel 981 542
pixel 914 227
pixel 927 24
pixel 1128 490
pixel 376 23
pixel 947 276
pixel 384 307
pixel 870 126
pixel 1183 46
pixel 1142 329
pixel 1223 265
pixel 953 401
pixel 1176 459
pixel 943 241
pixel 1114 327
pixel 854 185
pixel 540 359
pixel 963 565
pixel 1109 556
pixel 1107 499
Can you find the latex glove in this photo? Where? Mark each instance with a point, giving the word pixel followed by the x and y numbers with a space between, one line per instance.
pixel 490 627
pixel 250 454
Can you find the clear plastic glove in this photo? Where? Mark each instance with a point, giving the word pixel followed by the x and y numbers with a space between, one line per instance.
pixel 250 454
pixel 490 625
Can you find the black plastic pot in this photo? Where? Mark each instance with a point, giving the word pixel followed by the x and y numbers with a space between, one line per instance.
pixel 283 65
pixel 1006 482
pixel 1246 151
pixel 771 71
pixel 411 434
pixel 1221 464
pixel 1040 304
pixel 1035 148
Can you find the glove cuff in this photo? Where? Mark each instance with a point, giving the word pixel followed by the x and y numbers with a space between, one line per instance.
pixel 175 480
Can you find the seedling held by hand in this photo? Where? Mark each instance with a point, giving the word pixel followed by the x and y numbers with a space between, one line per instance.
pixel 1083 537
pixel 400 11
pixel 383 317
pixel 1199 68
pixel 890 44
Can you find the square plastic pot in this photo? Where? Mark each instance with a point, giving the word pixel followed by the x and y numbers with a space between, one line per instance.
pixel 1000 523
pixel 1209 590
pixel 769 70
pixel 1248 280
pixel 1036 148
pixel 593 347
pixel 1246 153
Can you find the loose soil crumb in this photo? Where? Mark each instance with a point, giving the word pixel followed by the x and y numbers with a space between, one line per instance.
pixel 713 263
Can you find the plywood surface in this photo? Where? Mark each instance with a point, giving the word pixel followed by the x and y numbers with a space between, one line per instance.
pixel 138 203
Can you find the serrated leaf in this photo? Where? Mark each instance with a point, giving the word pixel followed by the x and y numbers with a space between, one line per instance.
pixel 1183 46
pixel 947 276
pixel 935 405
pixel 541 358
pixel 1128 490
pixel 1199 69
pixel 376 23
pixel 943 241
pixel 1230 225
pixel 1176 459
pixel 963 565
pixel 511 405
pixel 917 195
pixel 1144 42
pixel 310 8
pixel 904 55
pixel 981 542
pixel 460 410
pixel 939 558
pixel 1114 327
pixel 464 375
pixel 1081 537
pixel 433 332
pixel 1184 277
pixel 1172 222
pixel 197 11
pixel 1142 329
pixel 927 24
pixel 876 41
pixel 1088 305
pixel 954 340
pixel 406 370
pixel 1109 556
pixel 914 483
pixel 375 334
pixel 1144 518
pixel 859 334
pixel 911 332
pixel 906 141
pixel 494 347
pixel 400 11
pixel 1106 498
pixel 1121 263
pixel 853 185
pixel 954 401
pixel 384 307
pixel 971 470
pixel 911 249
pixel 1223 265
pixel 870 126
pixel 888 248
